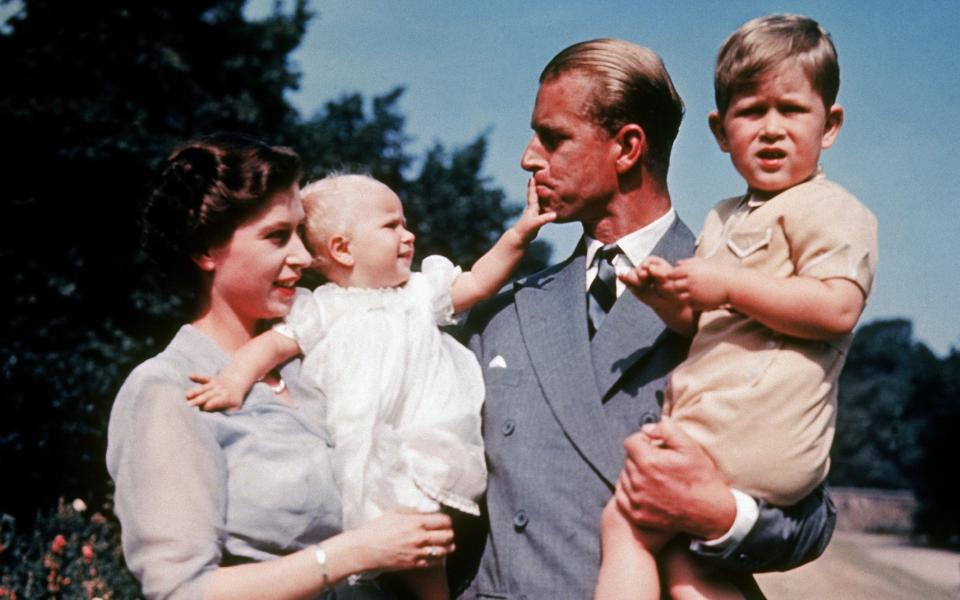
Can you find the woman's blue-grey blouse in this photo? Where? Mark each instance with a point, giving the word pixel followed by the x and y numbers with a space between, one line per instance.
pixel 191 486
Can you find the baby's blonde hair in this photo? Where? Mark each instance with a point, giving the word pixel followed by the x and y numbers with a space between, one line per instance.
pixel 330 206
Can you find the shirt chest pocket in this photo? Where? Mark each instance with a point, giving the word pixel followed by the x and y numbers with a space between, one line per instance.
pixel 744 244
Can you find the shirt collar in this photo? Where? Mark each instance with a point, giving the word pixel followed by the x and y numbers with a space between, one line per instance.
pixel 636 245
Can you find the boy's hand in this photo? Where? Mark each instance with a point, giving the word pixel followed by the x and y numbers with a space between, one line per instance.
pixel 531 220
pixel 704 285
pixel 214 393
pixel 652 283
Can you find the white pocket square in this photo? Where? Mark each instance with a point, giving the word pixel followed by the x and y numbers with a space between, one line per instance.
pixel 497 362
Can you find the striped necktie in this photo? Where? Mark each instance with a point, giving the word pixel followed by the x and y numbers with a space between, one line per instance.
pixel 603 291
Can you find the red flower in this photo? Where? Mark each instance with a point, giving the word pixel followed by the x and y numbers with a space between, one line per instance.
pixel 59 543
pixel 87 551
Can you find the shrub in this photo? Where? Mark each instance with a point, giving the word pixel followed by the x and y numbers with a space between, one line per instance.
pixel 68 554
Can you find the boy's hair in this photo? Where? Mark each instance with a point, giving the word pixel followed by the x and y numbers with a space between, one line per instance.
pixel 763 44
pixel 631 86
pixel 329 207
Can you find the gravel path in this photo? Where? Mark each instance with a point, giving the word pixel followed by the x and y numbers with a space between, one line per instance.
pixel 859 566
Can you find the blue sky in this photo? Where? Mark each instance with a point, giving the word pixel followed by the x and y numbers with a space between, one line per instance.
pixel 471 67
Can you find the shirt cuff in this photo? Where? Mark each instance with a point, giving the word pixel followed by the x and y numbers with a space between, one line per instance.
pixel 747 514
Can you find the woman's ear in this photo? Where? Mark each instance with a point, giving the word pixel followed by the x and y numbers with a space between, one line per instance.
pixel 339 247
pixel 719 133
pixel 204 261
pixel 632 142
pixel 832 125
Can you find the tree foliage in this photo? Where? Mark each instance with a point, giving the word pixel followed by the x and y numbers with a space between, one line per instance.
pixel 95 95
pixel 899 409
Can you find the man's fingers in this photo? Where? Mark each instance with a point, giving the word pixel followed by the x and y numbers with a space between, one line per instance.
pixel 199 378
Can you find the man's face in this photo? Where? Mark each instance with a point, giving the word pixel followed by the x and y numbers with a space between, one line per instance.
pixel 572 159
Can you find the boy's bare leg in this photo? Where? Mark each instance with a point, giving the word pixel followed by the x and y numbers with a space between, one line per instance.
pixel 687 579
pixel 427 584
pixel 628 565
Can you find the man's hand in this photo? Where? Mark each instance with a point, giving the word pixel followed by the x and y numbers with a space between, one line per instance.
pixel 215 393
pixel 531 219
pixel 669 482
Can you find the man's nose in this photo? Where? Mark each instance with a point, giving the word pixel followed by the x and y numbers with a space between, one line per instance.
pixel 532 157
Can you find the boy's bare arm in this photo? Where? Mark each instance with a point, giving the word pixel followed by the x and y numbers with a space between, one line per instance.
pixel 650 283
pixel 248 365
pixel 799 306
pixel 493 269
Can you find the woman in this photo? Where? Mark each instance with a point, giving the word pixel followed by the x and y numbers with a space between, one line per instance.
pixel 238 505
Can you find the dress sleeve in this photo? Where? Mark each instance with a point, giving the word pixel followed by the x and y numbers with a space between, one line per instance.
pixel 170 478
pixel 440 274
pixel 304 323
pixel 834 236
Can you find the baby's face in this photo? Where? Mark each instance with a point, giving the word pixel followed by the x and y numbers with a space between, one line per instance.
pixel 380 243
pixel 775 131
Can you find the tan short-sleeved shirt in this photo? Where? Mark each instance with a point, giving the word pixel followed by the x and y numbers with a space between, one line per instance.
pixel 763 403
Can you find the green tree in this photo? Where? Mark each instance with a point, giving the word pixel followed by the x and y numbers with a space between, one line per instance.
pixel 95 94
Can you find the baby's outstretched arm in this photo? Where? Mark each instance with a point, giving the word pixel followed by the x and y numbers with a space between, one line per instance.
pixel 249 363
pixel 799 306
pixel 651 283
pixel 493 269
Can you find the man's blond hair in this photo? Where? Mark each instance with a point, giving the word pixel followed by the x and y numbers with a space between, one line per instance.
pixel 631 86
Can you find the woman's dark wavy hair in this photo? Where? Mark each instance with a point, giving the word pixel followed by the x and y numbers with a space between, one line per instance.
pixel 207 187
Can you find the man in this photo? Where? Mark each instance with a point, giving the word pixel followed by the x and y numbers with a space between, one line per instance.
pixel 574 366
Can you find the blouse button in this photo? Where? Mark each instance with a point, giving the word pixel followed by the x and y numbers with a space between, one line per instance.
pixel 647 418
pixel 508 426
pixel 520 521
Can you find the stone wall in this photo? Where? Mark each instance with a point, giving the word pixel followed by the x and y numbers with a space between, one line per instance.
pixel 874 510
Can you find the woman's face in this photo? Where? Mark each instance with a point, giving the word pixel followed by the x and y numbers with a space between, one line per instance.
pixel 254 272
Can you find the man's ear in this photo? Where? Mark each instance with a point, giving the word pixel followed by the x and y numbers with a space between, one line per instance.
pixel 204 261
pixel 832 125
pixel 719 133
pixel 339 248
pixel 632 142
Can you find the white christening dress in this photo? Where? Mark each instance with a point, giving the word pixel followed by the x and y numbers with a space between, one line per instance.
pixel 403 398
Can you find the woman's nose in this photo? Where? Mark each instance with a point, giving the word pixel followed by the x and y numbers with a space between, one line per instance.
pixel 298 257
pixel 408 236
pixel 532 157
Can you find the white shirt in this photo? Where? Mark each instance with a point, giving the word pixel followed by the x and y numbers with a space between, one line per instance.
pixel 635 247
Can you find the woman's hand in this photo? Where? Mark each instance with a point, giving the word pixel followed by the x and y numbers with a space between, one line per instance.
pixel 403 539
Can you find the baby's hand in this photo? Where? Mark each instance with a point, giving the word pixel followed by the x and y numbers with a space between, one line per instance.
pixel 531 220
pixel 214 393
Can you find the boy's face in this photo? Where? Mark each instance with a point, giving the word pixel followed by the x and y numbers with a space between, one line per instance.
pixel 775 131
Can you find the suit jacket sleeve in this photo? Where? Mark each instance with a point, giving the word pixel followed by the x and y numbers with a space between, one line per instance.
pixel 782 538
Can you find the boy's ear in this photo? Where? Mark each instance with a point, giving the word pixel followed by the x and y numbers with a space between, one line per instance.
pixel 632 142
pixel 339 247
pixel 831 126
pixel 719 133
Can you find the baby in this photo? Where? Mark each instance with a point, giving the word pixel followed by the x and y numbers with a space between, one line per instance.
pixel 777 284
pixel 403 399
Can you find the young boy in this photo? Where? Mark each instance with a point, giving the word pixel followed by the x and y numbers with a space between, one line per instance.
pixel 777 285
